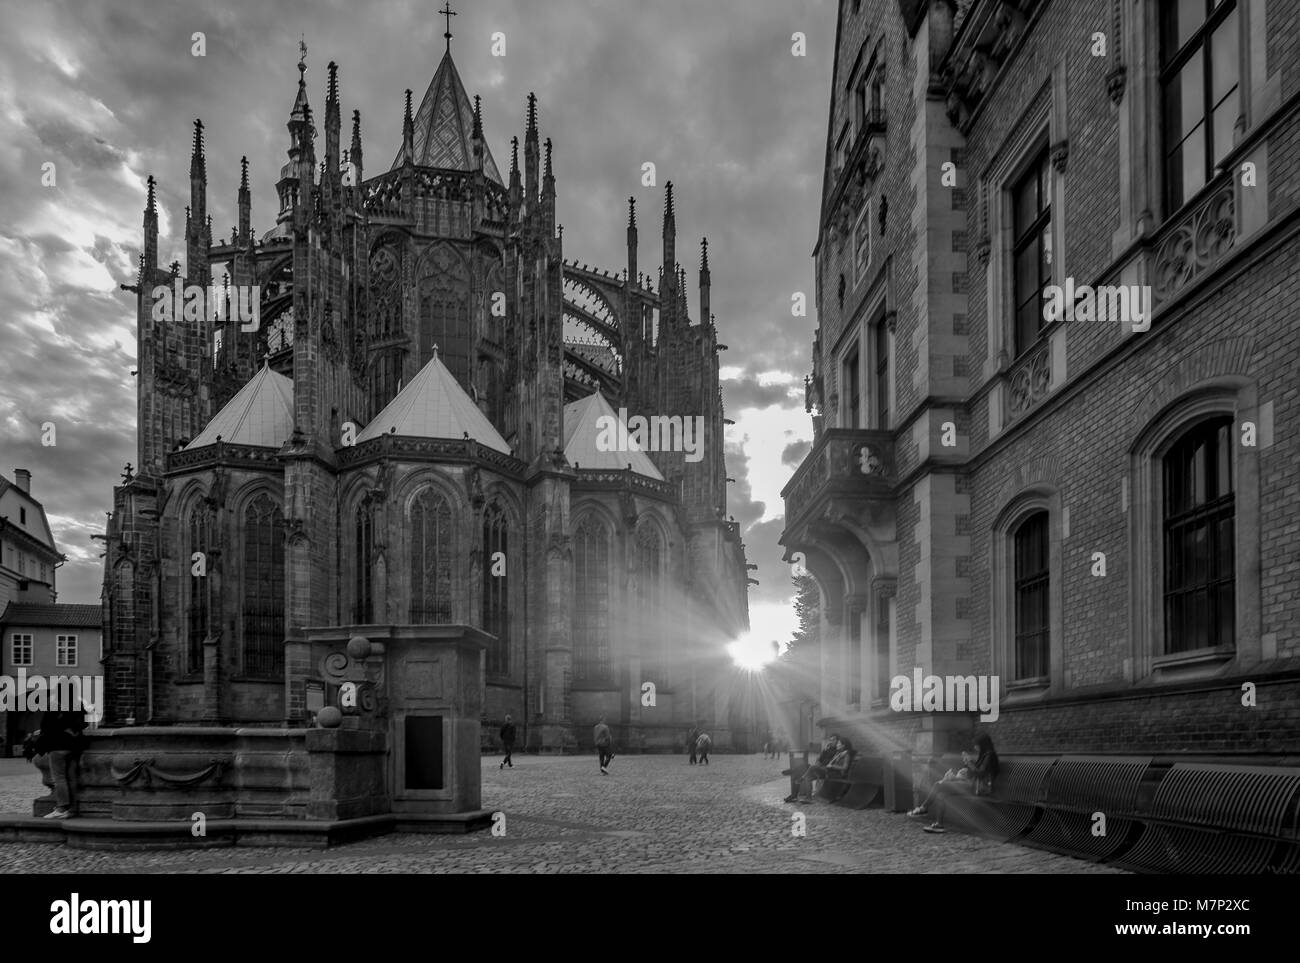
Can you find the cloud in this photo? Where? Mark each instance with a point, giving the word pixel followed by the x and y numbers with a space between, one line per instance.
pixel 794 453
pixel 109 92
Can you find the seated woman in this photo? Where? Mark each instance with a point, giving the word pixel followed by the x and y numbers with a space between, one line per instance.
pixel 974 778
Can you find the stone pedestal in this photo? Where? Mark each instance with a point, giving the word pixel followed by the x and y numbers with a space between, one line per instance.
pixel 421 687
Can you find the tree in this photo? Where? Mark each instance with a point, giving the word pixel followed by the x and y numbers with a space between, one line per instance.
pixel 808 607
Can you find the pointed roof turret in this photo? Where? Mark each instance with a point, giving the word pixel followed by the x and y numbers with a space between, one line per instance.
pixel 434 405
pixel 583 428
pixel 443 127
pixel 261 414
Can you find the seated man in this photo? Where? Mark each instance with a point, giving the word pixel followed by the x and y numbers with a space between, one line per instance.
pixel 834 758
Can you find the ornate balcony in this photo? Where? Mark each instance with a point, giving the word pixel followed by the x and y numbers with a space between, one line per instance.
pixel 846 469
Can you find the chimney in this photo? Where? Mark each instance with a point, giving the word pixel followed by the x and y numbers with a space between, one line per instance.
pixel 23 479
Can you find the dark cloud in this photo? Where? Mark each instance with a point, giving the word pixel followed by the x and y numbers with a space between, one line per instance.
pixel 68 141
pixel 794 453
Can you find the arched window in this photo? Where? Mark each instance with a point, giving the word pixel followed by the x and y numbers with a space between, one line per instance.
pixel 263 588
pixel 432 545
pixel 1199 541
pixel 364 559
pixel 496 589
pixel 649 599
pixel 1032 597
pixel 197 607
pixel 591 599
pixel 444 314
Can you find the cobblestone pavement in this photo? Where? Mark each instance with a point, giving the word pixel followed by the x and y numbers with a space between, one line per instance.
pixel 652 814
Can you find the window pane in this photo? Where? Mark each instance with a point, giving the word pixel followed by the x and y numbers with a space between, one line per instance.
pixel 1225 119
pixel 1190 105
pixel 1193 163
pixel 1185 17
pixel 1045 254
pixel 1225 59
pixel 1026 204
pixel 1027 273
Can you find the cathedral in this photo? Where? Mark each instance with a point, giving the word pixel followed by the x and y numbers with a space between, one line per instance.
pixel 409 433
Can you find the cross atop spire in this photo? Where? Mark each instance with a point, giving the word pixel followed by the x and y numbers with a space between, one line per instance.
pixel 302 53
pixel 447 13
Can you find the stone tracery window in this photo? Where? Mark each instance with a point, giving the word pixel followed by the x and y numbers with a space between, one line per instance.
pixel 432 543
pixel 198 539
pixel 364 560
pixel 591 559
pixel 650 558
pixel 262 622
pixel 496 589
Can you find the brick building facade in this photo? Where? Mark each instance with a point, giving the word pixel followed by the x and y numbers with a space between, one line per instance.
pixel 402 440
pixel 1098 508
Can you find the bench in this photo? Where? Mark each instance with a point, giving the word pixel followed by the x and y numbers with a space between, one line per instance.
pixel 1214 818
pixel 1011 810
pixel 796 770
pixel 859 787
pixel 1076 789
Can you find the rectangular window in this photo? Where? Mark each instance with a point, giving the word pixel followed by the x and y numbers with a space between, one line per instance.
pixel 1200 84
pixel 1032 597
pixel 853 390
pixel 882 375
pixel 862 244
pixel 20 651
pixel 1031 217
pixel 1199 540
pixel 860 104
pixel 66 650
pixel 22 515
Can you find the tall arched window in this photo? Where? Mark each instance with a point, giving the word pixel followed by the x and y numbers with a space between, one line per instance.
pixel 364 559
pixel 591 553
pixel 432 545
pixel 197 625
pixel 444 314
pixel 263 588
pixel 1032 597
pixel 1199 542
pixel 496 588
pixel 649 599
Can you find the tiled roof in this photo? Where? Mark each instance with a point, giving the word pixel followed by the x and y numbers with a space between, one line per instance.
pixel 582 429
pixel 60 616
pixel 442 127
pixel 260 414
pixel 434 405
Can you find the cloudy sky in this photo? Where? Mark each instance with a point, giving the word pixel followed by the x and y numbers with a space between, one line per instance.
pixel 108 92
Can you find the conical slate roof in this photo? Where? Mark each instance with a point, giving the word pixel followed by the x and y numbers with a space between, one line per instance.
pixel 434 405
pixel 582 430
pixel 444 124
pixel 261 413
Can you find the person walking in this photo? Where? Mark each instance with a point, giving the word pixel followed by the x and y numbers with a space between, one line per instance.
pixel 692 738
pixel 702 747
pixel 61 739
pixel 508 742
pixel 604 745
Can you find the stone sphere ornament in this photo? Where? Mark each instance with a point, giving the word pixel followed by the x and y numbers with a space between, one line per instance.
pixel 358 647
pixel 329 718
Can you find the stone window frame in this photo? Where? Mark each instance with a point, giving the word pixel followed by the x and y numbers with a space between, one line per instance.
pixel 192 504
pixel 1040 497
pixel 1134 86
pixel 1041 125
pixel 1237 398
pixel 862 227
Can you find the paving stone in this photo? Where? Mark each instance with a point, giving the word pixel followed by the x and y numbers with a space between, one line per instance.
pixel 653 814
